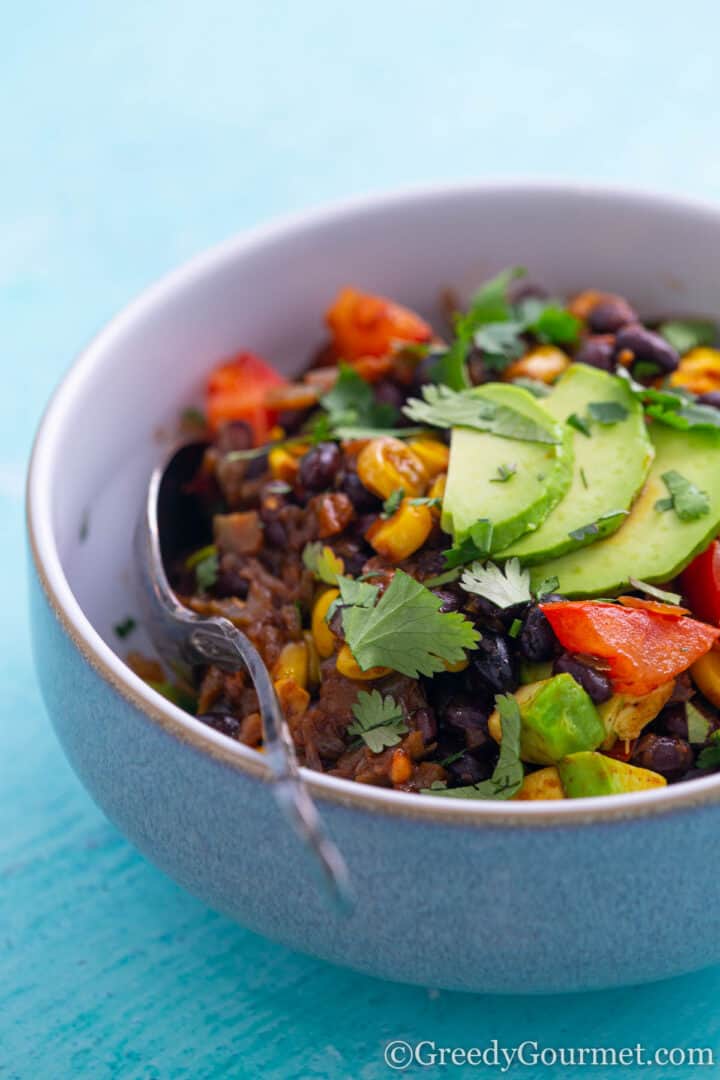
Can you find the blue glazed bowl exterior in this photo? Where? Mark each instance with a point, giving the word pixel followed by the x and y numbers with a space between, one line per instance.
pixel 496 897
pixel 466 907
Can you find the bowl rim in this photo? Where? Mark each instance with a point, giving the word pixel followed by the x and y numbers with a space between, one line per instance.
pixel 186 728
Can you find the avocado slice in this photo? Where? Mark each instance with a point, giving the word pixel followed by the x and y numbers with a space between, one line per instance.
pixel 540 473
pixel 558 718
pixel 611 465
pixel 586 774
pixel 651 545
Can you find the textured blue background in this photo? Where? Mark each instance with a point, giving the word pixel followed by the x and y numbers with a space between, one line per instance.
pixel 133 135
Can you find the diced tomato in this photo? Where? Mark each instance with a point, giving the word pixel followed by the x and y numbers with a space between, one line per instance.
pixel 366 325
pixel 236 391
pixel 643 648
pixel 700 584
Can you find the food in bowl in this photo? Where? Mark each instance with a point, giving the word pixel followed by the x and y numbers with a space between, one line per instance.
pixel 483 567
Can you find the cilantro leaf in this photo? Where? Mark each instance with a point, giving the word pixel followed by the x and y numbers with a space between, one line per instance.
pixel 379 721
pixel 515 628
pixel 205 563
pixel 124 628
pixel 502 587
pixel 652 590
pixel 406 630
pixel 675 408
pixel 709 758
pixel 476 545
pixel 607 412
pixel 351 402
pixel 687 500
pixel 446 408
pixel 509 772
pixel 488 305
pixel 579 423
pixel 353 593
pixel 546 587
pixel 501 342
pixel 322 561
pixel 687 334
pixel 698 724
pixel 593 527
pixel 392 503
pixel 550 322
pixel 504 473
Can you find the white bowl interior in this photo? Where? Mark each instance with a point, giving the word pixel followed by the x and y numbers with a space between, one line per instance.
pixel 267 292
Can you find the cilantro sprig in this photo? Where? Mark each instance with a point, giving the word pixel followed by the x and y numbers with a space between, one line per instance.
pixel 444 408
pixel 509 772
pixel 498 327
pixel 503 587
pixel 687 334
pixel 379 721
pixel 404 629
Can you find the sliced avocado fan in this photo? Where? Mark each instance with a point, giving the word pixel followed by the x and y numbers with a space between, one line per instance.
pixel 612 459
pixel 654 543
pixel 509 482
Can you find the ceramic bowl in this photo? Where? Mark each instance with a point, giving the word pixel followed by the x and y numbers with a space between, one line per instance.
pixel 476 896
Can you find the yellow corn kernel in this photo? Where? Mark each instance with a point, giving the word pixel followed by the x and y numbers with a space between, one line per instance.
pixel 276 433
pixel 403 533
pixel 456 665
pixel 292 663
pixel 705 674
pixel 323 636
pixel 298 449
pixel 386 464
pixel 543 784
pixel 400 767
pixel 314 676
pixel 698 371
pixel 348 666
pixel 283 466
pixel 293 698
pixel 434 455
pixel 545 363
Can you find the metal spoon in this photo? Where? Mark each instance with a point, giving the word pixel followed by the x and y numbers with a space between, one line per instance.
pixel 172 522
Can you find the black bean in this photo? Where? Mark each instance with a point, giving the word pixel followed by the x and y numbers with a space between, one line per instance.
pixel 494 664
pixel 450 599
pixel 389 393
pixel 673 721
pixel 536 639
pixel 598 352
pixel 712 398
pixel 664 754
pixel 460 712
pixel 468 769
pixel 595 683
pixel 363 500
pixel 319 466
pixel 227 725
pixel 610 315
pixel 646 347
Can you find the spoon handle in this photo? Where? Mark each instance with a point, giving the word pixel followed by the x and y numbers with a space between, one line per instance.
pixel 216 641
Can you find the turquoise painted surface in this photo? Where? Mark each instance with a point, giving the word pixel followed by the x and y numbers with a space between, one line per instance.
pixel 133 136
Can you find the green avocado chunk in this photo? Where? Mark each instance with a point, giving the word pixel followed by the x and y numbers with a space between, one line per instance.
pixel 586 774
pixel 651 544
pixel 611 463
pixel 536 474
pixel 558 718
